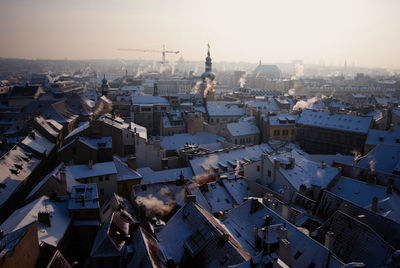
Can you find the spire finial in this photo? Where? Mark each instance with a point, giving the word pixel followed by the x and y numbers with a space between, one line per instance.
pixel 208 46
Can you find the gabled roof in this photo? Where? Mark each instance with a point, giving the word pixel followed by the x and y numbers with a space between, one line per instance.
pixel 25 91
pixel 110 240
pixel 177 141
pixel 383 158
pixel 83 171
pixel 15 166
pixel 376 136
pixel 46 125
pixel 242 128
pixel 59 219
pixel 78 130
pixel 37 143
pixel 241 222
pixel 9 242
pixel 343 122
pixel 186 222
pixel 44 180
pixel 224 108
pixel 124 172
pixel 167 175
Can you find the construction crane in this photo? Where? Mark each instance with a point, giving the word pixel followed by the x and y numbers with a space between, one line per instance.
pixel 152 50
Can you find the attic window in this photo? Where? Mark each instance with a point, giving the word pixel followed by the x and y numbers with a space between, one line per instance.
pixel 198 240
pixel 297 255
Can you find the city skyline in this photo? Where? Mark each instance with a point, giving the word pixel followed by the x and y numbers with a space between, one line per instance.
pixel 358 32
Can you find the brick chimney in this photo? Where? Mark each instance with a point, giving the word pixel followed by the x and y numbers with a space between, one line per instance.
pixel 44 217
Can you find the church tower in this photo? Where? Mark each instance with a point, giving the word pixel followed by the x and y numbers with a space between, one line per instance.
pixel 208 85
pixel 104 86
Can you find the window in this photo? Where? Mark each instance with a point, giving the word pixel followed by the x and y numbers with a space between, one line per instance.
pixel 269 173
pixel 101 191
pixel 107 178
pixel 100 178
pixel 258 168
pixel 198 240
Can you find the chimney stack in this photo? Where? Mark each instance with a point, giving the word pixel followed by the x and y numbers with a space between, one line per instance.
pixel 389 189
pixel 63 178
pixel 374 206
pixel 329 239
pixel 292 161
pixel 285 251
pixel 90 164
pixel 44 217
pixel 83 200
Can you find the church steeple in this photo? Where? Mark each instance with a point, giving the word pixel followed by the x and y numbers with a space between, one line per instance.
pixel 208 70
pixel 104 86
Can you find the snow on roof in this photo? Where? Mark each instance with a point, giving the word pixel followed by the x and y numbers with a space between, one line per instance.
pixel 55 125
pixel 383 158
pixel 148 99
pixel 90 103
pixel 186 222
pixel 283 119
pixel 59 219
pixel 304 171
pixel 83 171
pixel 241 222
pixel 78 130
pixel 88 192
pixel 36 142
pixel 224 108
pixel 177 141
pixel 167 175
pixel 343 122
pixel 105 99
pixel 44 180
pixel 361 194
pixel 110 239
pixel 330 158
pixel 46 125
pixel 237 189
pixel 118 122
pixel 242 128
pixel 15 166
pixel 217 197
pixel 229 157
pixel 376 136
pixel 124 172
pixel 268 105
pixel 97 143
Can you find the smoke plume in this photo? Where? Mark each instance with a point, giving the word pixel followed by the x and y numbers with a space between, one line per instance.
pixel 154 205
pixel 196 88
pixel 299 70
pixel 292 92
pixel 301 104
pixel 242 81
pixel 209 88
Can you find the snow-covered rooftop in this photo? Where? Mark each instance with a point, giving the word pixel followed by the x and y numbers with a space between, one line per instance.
pixel 37 143
pixel 86 192
pixel 84 171
pixel 224 108
pixel 343 122
pixel 283 119
pixel 59 219
pixel 124 172
pixel 15 166
pixel 148 99
pixel 304 171
pixel 44 180
pixel 383 158
pixel 179 140
pixel 242 128
pixel 228 158
pixel 78 130
pixel 150 177
pixel 376 136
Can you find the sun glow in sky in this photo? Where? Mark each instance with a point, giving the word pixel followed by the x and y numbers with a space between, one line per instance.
pixel 364 32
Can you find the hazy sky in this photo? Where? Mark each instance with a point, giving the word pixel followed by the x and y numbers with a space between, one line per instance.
pixel 364 32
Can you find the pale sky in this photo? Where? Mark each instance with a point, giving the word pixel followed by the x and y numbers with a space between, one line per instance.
pixel 364 32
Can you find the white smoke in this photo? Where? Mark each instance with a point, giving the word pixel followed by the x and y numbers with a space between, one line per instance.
pixel 242 80
pixel 299 68
pixel 292 92
pixel 301 104
pixel 196 88
pixel 372 166
pixel 154 205
pixel 208 163
pixel 209 88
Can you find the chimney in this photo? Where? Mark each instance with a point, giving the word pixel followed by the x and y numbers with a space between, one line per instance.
pixel 389 189
pixel 329 239
pixel 132 162
pixel 90 164
pixel 292 161
pixel 282 233
pixel 44 217
pixel 256 239
pixel 1 233
pixel 83 200
pixel 284 251
pixel 32 134
pixel 374 206
pixel 267 220
pixel 286 195
pixel 63 178
pixel 323 165
pixel 285 212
